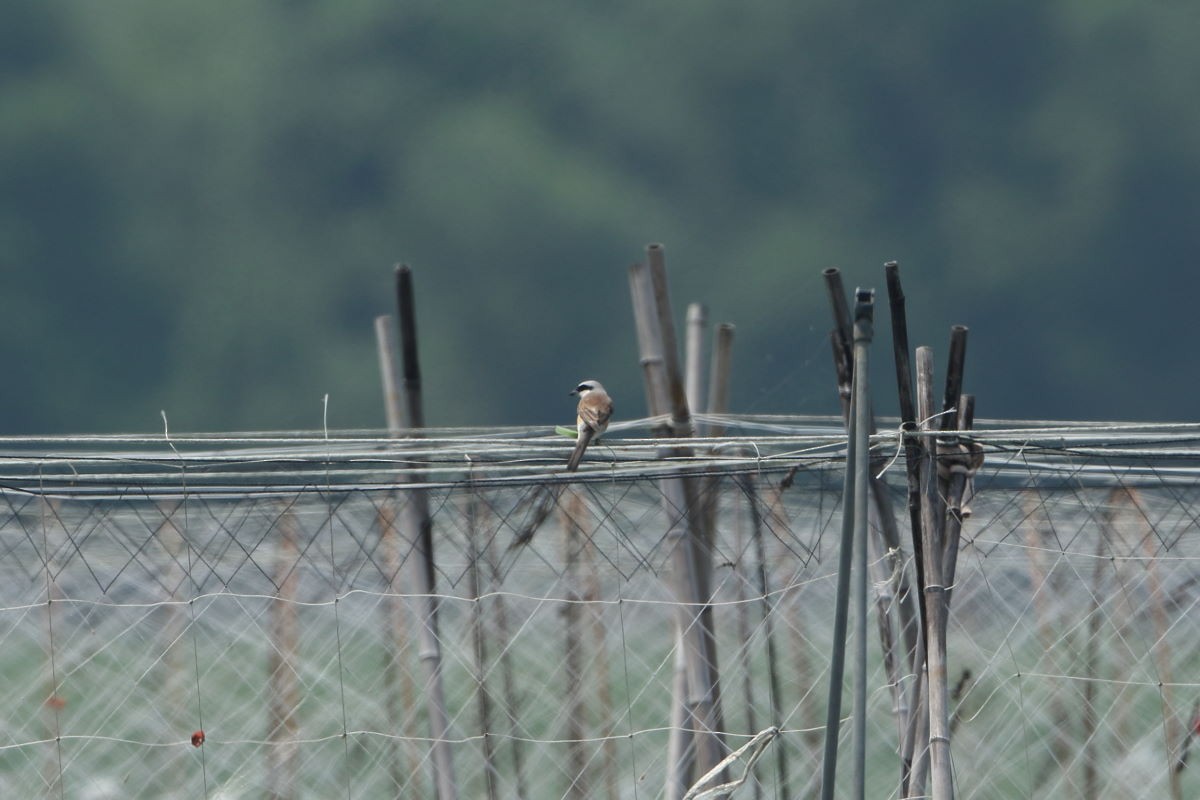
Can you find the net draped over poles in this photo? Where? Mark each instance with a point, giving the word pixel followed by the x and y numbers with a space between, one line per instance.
pixel 226 615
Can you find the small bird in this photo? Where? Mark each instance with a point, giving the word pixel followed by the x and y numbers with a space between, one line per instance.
pixel 595 409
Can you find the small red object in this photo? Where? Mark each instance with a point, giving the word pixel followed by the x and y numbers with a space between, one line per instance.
pixel 197 738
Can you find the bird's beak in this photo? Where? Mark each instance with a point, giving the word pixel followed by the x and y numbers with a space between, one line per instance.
pixel 573 391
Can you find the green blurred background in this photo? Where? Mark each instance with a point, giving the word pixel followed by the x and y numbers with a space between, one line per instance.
pixel 201 203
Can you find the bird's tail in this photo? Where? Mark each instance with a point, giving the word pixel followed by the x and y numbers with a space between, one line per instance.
pixel 581 444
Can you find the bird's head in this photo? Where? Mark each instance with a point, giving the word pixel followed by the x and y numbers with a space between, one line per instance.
pixel 587 386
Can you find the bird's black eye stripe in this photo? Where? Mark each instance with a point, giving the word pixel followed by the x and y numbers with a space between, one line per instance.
pixel 581 387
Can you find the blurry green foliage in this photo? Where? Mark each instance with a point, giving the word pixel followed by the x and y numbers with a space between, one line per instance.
pixel 200 203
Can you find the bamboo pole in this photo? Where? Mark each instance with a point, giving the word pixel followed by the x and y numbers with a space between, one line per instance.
pixel 718 405
pixel 681 423
pixel 744 629
pixel 1089 718
pixel 841 338
pixel 415 519
pixel 598 658
pixel 483 697
pixel 951 472
pixel 687 578
pixel 573 659
pixel 750 490
pixel 283 699
pixel 512 697
pixel 950 466
pixel 680 750
pixel 699 537
pixel 697 323
pixel 56 700
pixel 962 464
pixel 719 376
pixel 400 701
pixel 935 599
pixel 908 423
pixel 918 712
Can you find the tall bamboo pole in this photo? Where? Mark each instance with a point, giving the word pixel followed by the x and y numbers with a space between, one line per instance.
pixel 697 324
pixel 479 640
pixel 598 658
pixel 908 423
pixel 416 521
pixel 401 690
pixel 961 463
pixel 718 404
pixel 700 537
pixel 935 599
pixel 52 767
pixel 681 754
pixel 744 628
pixel 1089 716
pixel 688 580
pixel 750 490
pixel 573 657
pixel 512 697
pixel 918 711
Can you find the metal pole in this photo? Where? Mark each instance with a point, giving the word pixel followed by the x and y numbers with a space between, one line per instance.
pixel 863 314
pixel 853 507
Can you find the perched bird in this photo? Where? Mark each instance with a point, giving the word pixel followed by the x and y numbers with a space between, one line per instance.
pixel 592 415
pixel 595 409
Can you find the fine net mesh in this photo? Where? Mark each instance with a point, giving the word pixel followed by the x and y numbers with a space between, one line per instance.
pixel 240 616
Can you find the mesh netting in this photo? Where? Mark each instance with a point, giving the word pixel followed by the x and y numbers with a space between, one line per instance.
pixel 235 616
